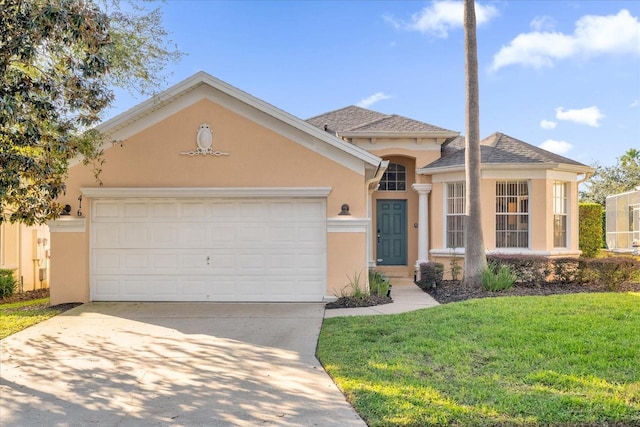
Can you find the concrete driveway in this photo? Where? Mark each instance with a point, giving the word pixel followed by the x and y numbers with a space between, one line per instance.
pixel 178 364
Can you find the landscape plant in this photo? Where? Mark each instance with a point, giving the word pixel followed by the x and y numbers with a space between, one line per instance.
pixel 496 278
pixel 7 283
pixel 378 284
pixel 590 233
pixel 431 275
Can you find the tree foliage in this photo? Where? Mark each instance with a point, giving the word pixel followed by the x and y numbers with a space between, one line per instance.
pixel 59 60
pixel 624 176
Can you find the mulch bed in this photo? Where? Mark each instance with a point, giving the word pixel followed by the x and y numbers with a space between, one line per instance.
pixel 452 291
pixel 352 302
pixel 36 294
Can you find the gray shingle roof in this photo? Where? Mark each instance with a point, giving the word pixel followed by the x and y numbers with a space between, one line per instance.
pixel 354 119
pixel 498 149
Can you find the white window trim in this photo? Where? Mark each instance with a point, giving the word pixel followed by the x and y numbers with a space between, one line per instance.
pixel 567 214
pixel 445 203
pixel 529 204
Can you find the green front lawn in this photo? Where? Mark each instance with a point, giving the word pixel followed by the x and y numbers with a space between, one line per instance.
pixel 562 360
pixel 17 316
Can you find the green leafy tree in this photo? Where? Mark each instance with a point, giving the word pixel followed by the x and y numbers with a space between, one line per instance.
pixel 624 176
pixel 59 60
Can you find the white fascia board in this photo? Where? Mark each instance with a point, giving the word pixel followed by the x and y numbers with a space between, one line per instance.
pixel 444 169
pixel 497 170
pixel 393 134
pixel 206 192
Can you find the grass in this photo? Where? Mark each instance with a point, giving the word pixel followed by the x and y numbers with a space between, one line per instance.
pixel 561 360
pixel 17 316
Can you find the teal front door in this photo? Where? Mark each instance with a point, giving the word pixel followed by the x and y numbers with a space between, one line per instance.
pixel 391 227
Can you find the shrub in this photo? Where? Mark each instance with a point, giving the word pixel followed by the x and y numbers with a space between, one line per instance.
pixel 497 278
pixel 430 275
pixel 590 233
pixel 526 269
pixel 567 270
pixel 613 272
pixel 378 284
pixel 7 283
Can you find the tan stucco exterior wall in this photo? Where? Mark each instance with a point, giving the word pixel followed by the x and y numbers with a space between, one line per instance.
pixel 25 250
pixel 342 265
pixel 258 157
pixel 540 218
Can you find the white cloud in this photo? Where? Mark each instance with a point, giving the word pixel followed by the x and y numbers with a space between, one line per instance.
pixel 594 35
pixel 369 101
pixel 548 124
pixel 635 103
pixel 540 23
pixel 441 17
pixel 589 116
pixel 558 147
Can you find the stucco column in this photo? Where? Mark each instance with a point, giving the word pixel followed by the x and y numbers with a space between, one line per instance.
pixel 370 260
pixel 423 191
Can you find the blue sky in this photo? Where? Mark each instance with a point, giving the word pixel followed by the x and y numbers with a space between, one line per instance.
pixel 564 75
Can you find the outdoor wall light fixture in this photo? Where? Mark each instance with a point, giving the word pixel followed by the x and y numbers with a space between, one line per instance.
pixel 344 210
pixel 79 213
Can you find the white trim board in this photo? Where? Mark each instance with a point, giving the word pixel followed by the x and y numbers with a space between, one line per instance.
pixel 226 192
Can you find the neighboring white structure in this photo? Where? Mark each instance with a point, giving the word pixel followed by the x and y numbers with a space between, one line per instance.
pixel 623 221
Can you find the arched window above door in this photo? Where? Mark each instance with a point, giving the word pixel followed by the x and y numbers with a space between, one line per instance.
pixel 394 178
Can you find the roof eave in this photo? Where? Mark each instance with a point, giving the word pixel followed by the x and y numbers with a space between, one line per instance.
pixel 392 134
pixel 509 166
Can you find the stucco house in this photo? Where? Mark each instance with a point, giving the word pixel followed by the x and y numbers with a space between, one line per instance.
pixel 210 194
pixel 623 221
pixel 25 250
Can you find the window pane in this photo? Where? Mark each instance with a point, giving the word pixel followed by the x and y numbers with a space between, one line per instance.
pixel 394 178
pixel 512 214
pixel 455 215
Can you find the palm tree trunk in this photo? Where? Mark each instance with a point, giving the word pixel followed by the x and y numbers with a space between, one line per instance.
pixel 474 259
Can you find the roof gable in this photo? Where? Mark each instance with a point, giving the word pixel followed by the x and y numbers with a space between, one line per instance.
pixel 204 86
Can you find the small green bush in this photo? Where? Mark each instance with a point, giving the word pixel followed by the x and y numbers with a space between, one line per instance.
pixel 527 269
pixel 431 274
pixel 613 272
pixel 7 283
pixel 567 270
pixel 378 284
pixel 496 278
pixel 590 232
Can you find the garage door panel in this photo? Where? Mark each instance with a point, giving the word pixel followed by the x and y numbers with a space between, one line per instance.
pixel 208 250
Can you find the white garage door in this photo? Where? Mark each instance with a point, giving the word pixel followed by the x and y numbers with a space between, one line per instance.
pixel 172 249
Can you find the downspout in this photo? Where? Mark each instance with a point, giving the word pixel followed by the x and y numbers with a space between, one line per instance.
pixel 587 175
pixel 372 185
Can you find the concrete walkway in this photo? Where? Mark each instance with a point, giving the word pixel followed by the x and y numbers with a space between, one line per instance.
pixel 406 295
